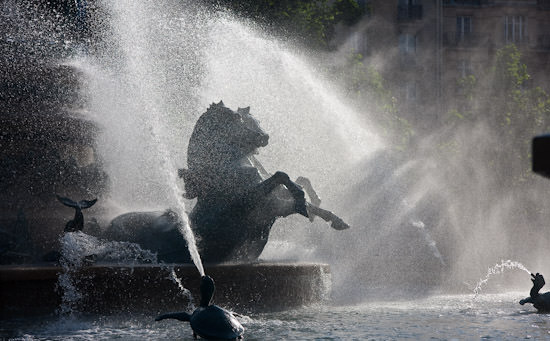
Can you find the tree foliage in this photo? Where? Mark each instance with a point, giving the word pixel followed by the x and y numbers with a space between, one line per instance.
pixel 514 111
pixel 365 84
pixel 312 22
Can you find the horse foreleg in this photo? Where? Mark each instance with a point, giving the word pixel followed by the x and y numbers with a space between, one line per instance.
pixel 279 178
pixel 335 222
pixel 296 192
pixel 279 203
pixel 314 210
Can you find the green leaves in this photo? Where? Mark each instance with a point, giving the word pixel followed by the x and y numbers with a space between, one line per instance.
pixel 510 72
pixel 502 100
pixel 311 22
pixel 365 84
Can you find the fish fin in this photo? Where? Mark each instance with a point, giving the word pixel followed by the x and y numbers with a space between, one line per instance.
pixel 87 203
pixel 182 316
pixel 67 201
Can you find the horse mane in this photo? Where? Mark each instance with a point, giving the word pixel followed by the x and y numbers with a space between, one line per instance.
pixel 209 147
pixel 210 136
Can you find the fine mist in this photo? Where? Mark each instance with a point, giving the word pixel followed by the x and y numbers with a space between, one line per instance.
pixel 420 223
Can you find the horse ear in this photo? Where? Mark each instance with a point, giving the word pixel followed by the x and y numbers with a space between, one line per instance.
pixel 244 110
pixel 221 104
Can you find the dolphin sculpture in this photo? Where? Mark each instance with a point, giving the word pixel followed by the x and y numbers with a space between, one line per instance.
pixel 77 224
pixel 209 321
pixel 540 301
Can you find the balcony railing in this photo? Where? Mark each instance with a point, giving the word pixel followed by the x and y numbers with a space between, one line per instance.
pixel 524 41
pixel 463 39
pixel 409 12
pixel 463 2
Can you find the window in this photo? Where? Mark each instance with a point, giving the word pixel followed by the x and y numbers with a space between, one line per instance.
pixel 515 29
pixel 409 2
pixel 462 2
pixel 463 27
pixel 407 44
pixel 464 68
pixel 409 9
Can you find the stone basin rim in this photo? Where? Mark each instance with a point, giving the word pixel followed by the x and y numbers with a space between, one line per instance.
pixel 44 271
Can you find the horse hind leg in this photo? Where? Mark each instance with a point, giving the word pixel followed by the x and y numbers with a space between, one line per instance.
pixel 262 190
pixel 308 188
pixel 335 222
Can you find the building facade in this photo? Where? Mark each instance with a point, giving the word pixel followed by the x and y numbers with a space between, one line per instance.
pixel 474 30
pixel 423 47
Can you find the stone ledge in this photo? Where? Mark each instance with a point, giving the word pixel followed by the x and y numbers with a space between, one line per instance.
pixel 111 289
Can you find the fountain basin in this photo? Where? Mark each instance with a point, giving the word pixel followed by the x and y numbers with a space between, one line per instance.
pixel 111 289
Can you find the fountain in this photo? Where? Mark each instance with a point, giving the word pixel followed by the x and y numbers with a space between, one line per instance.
pixel 140 115
pixel 120 105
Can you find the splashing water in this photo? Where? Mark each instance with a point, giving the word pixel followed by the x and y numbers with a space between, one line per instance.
pixel 136 95
pixel 174 278
pixel 177 195
pixel 77 248
pixel 67 283
pixel 187 233
pixel 498 269
pixel 429 240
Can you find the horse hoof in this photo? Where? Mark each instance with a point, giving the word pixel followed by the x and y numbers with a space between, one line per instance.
pixel 339 224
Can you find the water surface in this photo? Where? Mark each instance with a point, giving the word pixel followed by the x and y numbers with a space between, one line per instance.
pixel 455 317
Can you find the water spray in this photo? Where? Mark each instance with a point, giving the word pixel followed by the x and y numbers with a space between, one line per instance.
pixel 174 278
pixel 171 177
pixel 498 269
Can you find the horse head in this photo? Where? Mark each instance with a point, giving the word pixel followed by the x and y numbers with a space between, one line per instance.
pixel 220 136
pixel 250 134
pixel 221 126
pixel 244 130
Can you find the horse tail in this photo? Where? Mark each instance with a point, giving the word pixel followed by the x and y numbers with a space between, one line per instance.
pixel 190 182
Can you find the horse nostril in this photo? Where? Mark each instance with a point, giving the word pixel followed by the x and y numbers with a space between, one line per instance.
pixel 264 140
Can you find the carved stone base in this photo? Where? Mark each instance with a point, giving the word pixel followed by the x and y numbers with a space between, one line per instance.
pixel 148 289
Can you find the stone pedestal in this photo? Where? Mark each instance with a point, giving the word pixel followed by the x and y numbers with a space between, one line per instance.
pixel 148 289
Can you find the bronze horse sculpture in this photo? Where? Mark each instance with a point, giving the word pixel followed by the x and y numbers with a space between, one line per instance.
pixel 237 200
